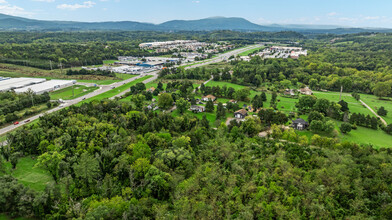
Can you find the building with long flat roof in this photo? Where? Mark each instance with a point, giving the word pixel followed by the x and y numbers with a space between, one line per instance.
pixel 16 83
pixel 47 86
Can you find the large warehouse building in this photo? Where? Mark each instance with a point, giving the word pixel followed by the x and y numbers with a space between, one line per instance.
pixel 7 84
pixel 47 86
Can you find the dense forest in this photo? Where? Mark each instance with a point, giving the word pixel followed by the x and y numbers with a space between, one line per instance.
pixel 110 161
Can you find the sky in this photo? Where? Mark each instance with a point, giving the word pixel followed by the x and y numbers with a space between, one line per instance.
pixel 350 13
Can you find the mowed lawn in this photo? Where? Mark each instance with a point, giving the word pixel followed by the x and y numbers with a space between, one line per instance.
pixel 67 93
pixel 284 104
pixel 376 138
pixel 25 173
pixel 354 105
pixel 375 103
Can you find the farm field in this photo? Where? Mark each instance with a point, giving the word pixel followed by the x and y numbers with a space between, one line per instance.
pixel 66 93
pixel 25 173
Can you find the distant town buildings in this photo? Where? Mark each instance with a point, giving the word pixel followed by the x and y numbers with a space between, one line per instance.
pixel 278 52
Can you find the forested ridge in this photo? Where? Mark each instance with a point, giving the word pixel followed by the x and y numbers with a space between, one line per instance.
pixel 111 161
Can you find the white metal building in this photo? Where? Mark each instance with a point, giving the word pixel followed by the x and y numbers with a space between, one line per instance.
pixel 16 83
pixel 47 86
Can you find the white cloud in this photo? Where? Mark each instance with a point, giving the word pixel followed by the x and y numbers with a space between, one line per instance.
pixel 44 0
pixel 88 4
pixel 197 2
pixel 332 14
pixel 371 18
pixel 8 9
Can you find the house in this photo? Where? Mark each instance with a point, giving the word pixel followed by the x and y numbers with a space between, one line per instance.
pixel 208 97
pixel 233 101
pixel 306 91
pixel 152 89
pixel 197 108
pixel 300 124
pixel 241 114
pixel 289 92
pixel 151 106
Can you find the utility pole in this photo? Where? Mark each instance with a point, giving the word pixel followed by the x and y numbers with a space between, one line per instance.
pixel 341 91
pixel 51 68
pixel 73 90
pixel 32 98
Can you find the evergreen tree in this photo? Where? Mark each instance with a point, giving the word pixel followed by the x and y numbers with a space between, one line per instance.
pixel 209 106
pixel 382 111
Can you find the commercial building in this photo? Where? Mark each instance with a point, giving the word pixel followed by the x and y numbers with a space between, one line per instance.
pixel 47 86
pixel 16 83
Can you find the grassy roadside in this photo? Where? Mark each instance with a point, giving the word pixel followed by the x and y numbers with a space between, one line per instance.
pixel 246 53
pixel 115 91
pixel 66 93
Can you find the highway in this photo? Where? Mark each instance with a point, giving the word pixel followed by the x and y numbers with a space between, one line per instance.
pixel 105 88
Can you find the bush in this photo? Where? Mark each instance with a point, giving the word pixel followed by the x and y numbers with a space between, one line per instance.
pixel 345 128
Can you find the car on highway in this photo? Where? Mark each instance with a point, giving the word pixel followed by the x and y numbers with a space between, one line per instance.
pixel 60 106
pixel 84 98
pixel 27 121
pixel 16 123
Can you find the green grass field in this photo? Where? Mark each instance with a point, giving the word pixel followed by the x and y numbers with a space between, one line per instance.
pixel 377 138
pixel 66 93
pixel 109 61
pixel 5 217
pixel 375 103
pixel 115 91
pixel 25 173
pixel 354 105
pixel 246 53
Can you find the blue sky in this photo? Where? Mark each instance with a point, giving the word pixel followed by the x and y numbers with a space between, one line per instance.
pixel 354 13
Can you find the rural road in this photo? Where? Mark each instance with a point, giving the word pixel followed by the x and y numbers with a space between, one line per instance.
pixel 382 120
pixel 105 88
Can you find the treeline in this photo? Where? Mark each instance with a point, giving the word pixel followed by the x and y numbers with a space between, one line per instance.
pixel 10 102
pixel 194 73
pixel 112 162
pixel 71 72
pixel 144 36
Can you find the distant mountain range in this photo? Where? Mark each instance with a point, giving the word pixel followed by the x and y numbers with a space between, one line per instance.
pixel 8 23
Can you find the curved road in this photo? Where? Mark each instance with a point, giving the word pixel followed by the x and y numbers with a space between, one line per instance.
pixel 105 88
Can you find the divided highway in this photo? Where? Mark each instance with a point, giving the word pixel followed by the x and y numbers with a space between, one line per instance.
pixel 105 88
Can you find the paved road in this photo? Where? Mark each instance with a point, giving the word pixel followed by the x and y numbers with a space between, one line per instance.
pixel 382 120
pixel 154 77
pixel 222 57
pixel 102 89
pixel 105 88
